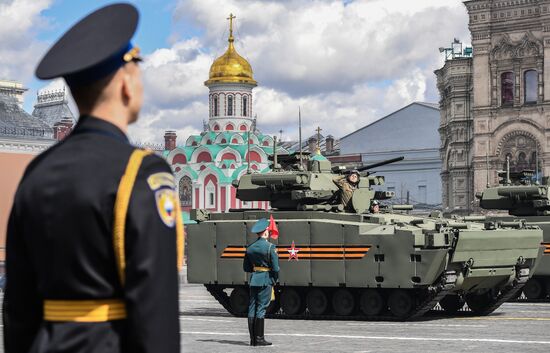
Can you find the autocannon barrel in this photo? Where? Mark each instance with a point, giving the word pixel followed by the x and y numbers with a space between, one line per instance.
pixel 278 179
pixel 523 192
pixel 379 164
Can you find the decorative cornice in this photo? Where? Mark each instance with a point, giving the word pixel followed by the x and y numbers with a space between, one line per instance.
pixel 18 145
pixel 528 46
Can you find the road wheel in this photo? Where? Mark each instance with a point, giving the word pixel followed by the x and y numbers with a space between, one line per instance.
pixel 452 303
pixel 238 299
pixel 292 302
pixel 317 301
pixel 479 302
pixel 534 289
pixel 546 281
pixel 372 303
pixel 343 302
pixel 401 303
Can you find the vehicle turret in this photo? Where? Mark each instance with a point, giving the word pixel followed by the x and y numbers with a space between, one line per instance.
pixel 306 182
pixel 518 195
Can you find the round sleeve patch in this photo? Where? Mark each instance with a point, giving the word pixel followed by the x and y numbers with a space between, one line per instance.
pixel 166 206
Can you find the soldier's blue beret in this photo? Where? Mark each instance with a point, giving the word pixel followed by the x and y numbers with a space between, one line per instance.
pixel 260 225
pixel 95 47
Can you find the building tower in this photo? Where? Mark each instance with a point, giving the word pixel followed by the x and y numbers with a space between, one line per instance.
pixel 510 99
pixel 230 83
pixel 454 82
pixel 52 107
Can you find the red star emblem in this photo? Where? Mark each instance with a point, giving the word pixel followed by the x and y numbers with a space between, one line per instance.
pixel 293 251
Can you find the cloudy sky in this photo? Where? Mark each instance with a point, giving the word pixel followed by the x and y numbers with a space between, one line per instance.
pixel 345 63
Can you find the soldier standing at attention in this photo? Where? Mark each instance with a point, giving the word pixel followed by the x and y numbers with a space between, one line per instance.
pixel 95 238
pixel 347 185
pixel 262 261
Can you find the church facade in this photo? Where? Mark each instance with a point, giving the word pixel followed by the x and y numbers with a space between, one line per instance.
pixel 494 104
pixel 230 145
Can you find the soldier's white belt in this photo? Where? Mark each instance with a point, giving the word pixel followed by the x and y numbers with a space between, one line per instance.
pixel 261 269
pixel 84 310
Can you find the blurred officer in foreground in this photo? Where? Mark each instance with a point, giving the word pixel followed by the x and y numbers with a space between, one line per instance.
pixel 95 238
pixel 262 261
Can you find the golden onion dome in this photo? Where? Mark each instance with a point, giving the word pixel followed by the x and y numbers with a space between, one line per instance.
pixel 230 67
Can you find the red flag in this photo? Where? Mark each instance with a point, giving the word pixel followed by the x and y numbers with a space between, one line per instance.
pixel 273 230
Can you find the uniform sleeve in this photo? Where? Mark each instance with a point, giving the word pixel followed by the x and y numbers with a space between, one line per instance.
pixel 151 288
pixel 274 264
pixel 22 307
pixel 339 180
pixel 247 264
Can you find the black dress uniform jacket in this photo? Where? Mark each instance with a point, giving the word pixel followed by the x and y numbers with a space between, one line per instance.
pixel 60 247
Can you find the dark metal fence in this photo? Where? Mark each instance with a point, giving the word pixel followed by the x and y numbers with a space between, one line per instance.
pixel 25 132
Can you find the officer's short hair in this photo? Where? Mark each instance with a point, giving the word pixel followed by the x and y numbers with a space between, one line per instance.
pixel 89 95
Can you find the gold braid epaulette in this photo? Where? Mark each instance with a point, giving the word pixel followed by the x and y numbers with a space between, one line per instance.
pixel 121 208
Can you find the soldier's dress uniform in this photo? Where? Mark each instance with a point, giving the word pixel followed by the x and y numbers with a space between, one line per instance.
pixel 94 243
pixel 262 261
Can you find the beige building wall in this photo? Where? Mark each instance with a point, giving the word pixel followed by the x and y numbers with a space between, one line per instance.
pixel 12 166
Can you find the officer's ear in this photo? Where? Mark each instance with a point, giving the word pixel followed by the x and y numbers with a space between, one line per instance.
pixel 132 89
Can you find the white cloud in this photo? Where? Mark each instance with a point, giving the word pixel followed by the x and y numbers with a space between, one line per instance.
pixel 175 75
pixel 19 49
pixel 344 64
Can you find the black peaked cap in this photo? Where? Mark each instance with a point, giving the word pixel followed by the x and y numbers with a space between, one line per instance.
pixel 90 42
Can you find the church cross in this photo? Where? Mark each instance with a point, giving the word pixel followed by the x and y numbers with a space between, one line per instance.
pixel 230 18
pixel 318 137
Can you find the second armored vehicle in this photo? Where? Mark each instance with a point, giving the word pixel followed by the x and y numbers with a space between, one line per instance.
pixel 531 202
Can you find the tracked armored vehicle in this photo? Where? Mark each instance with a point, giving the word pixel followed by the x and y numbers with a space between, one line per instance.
pixel 523 199
pixel 335 264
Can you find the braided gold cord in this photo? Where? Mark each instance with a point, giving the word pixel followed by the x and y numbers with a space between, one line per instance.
pixel 121 208
pixel 180 237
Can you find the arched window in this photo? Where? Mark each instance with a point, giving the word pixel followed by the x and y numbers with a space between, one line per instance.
pixel 531 83
pixel 179 159
pixel 265 143
pixel 215 105
pixel 255 157
pixel 234 141
pixel 230 105
pixel 507 88
pixel 522 161
pixel 210 191
pixel 204 157
pixel 229 127
pixel 223 141
pixel 186 191
pixel 216 127
pixel 245 106
pixel 228 156
pixel 242 127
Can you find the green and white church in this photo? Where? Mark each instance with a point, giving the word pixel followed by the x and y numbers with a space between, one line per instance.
pixel 230 144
